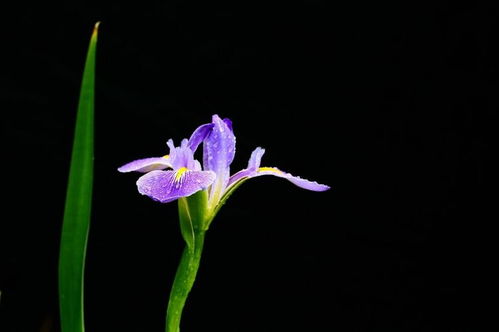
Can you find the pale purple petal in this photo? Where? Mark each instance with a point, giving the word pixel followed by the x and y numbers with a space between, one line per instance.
pixel 256 158
pixel 182 156
pixel 255 170
pixel 199 135
pixel 218 153
pixel 146 165
pixel 219 146
pixel 166 186
pixel 298 181
pixel 253 164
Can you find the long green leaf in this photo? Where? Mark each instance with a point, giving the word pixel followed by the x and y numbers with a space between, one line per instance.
pixel 77 210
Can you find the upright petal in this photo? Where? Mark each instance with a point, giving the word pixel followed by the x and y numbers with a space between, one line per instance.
pixel 253 164
pixel 256 158
pixel 199 135
pixel 182 156
pixel 219 146
pixel 146 165
pixel 219 149
pixel 166 186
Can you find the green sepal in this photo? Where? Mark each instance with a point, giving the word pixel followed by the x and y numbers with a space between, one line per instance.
pixel 192 213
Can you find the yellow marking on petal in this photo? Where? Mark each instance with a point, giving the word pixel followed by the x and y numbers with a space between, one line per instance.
pixel 269 169
pixel 166 156
pixel 179 173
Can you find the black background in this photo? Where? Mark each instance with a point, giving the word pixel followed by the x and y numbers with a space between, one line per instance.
pixel 392 106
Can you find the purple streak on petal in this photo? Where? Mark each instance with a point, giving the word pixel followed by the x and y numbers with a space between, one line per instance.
pixel 199 135
pixel 218 153
pixel 146 165
pixel 228 122
pixel 296 180
pixel 162 186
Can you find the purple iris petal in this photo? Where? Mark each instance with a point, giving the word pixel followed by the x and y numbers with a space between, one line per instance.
pixel 255 170
pixel 199 135
pixel 219 148
pixel 166 186
pixel 245 173
pixel 256 158
pixel 306 184
pixel 253 164
pixel 182 156
pixel 298 181
pixel 146 165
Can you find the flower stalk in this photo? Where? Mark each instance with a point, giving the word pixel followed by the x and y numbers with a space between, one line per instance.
pixel 192 215
pixel 184 280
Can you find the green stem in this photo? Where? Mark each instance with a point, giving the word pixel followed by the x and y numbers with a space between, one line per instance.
pixel 184 280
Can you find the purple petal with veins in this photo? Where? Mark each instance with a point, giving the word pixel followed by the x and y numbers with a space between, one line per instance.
pixel 255 170
pixel 199 135
pixel 166 186
pixel 296 180
pixel 146 165
pixel 219 148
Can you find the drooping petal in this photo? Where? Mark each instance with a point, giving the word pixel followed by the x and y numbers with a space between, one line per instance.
pixel 199 135
pixel 254 170
pixel 218 153
pixel 296 180
pixel 146 165
pixel 166 186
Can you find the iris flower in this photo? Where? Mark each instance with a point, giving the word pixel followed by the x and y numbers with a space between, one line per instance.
pixel 178 174
pixel 200 191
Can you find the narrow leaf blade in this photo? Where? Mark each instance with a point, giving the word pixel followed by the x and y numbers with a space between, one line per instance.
pixel 77 210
